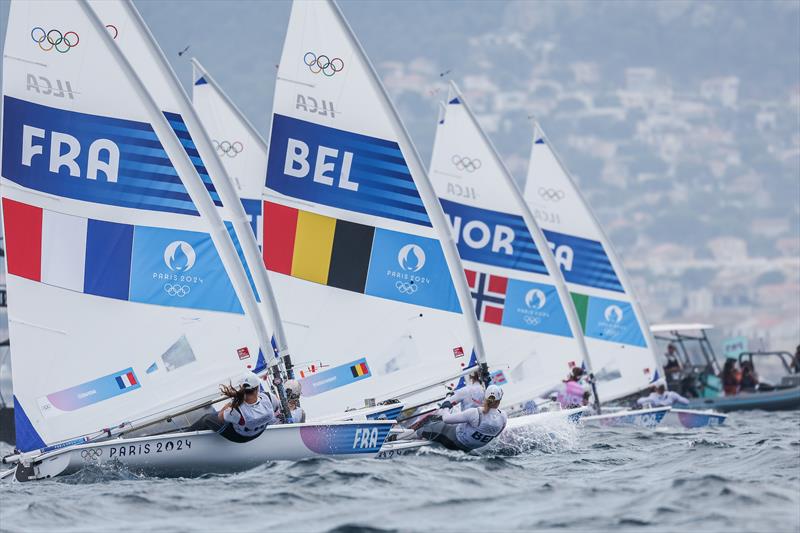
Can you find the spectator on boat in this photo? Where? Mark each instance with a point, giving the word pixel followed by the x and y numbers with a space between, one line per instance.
pixel 661 397
pixel 293 390
pixel 731 377
pixel 470 429
pixel 749 381
pixel 570 393
pixel 673 366
pixel 468 396
pixel 246 416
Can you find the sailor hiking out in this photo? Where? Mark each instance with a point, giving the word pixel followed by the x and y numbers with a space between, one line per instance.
pixel 571 392
pixel 466 397
pixel 293 391
pixel 661 397
pixel 470 429
pixel 246 416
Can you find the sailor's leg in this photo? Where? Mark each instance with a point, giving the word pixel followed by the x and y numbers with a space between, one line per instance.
pixel 209 421
pixel 444 434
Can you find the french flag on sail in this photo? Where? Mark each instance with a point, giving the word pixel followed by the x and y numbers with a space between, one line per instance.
pixel 75 253
pixel 126 380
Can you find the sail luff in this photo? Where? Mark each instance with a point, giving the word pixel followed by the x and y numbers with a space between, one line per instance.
pixel 428 196
pixel 619 268
pixel 536 233
pixel 189 176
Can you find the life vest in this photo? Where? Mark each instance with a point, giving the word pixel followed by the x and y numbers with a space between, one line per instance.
pixel 489 426
pixel 255 417
pixel 571 395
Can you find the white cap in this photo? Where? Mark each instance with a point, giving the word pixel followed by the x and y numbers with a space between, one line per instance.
pixel 250 381
pixel 494 391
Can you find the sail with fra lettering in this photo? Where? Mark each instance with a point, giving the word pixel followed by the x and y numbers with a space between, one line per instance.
pixel 617 336
pixel 526 318
pixel 370 288
pixel 120 292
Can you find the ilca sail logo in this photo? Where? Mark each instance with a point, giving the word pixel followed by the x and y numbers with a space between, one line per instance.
pixel 410 259
pixel 179 257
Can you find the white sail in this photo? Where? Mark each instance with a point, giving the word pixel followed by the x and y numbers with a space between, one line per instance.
pixel 369 283
pixel 526 318
pixel 617 335
pixel 148 61
pixel 120 304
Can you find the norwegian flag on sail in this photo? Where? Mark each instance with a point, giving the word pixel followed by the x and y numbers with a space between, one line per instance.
pixel 489 293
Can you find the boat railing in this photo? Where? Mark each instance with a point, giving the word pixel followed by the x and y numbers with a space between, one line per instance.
pixel 790 379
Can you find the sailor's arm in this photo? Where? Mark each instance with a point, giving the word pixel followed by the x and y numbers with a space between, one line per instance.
pixel 468 416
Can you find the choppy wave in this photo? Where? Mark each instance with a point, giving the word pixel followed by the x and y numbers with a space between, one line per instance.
pixel 744 476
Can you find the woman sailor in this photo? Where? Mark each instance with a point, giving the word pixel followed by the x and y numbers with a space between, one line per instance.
pixel 246 416
pixel 468 396
pixel 570 393
pixel 293 390
pixel 470 429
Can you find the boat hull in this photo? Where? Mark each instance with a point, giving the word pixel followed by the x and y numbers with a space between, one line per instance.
pixel 203 452
pixel 690 418
pixel 777 400
pixel 644 418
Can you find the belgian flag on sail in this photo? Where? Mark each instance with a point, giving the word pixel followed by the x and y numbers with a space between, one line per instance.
pixel 359 369
pixel 317 248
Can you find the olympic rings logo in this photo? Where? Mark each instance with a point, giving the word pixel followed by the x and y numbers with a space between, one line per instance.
pixel 231 149
pixel 62 42
pixel 531 320
pixel 177 290
pixel 405 287
pixel 322 63
pixel 465 163
pixel 92 454
pixel 551 194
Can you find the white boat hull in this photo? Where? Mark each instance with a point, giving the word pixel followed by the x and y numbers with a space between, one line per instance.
pixel 692 418
pixel 202 452
pixel 644 418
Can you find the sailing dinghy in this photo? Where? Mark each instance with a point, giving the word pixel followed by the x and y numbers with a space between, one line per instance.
pixel 524 310
pixel 370 287
pixel 129 300
pixel 617 338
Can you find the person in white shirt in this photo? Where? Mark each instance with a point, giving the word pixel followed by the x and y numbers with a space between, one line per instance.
pixel 470 429
pixel 661 397
pixel 468 396
pixel 293 390
pixel 246 416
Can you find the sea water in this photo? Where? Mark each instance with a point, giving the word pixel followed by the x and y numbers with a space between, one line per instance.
pixel 743 476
